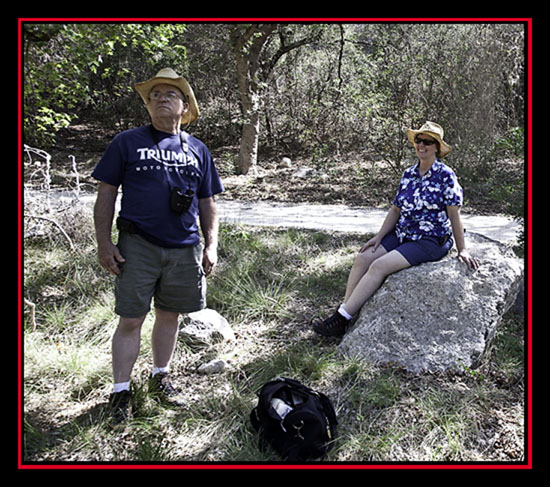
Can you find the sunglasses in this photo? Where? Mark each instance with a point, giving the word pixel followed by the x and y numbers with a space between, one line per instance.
pixel 418 140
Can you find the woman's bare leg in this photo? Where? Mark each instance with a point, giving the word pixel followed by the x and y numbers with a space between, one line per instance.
pixel 378 270
pixel 361 265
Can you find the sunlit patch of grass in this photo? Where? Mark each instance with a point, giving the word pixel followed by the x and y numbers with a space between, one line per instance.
pixel 268 284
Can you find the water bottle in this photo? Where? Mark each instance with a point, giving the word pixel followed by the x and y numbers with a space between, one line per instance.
pixel 281 407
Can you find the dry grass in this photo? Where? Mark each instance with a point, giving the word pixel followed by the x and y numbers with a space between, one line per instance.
pixel 269 284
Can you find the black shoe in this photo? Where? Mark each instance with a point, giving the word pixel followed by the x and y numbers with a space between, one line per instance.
pixel 162 389
pixel 334 326
pixel 120 406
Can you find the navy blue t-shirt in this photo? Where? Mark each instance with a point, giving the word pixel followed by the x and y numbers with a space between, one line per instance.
pixel 148 164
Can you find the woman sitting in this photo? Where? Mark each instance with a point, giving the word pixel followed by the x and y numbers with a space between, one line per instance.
pixel 419 227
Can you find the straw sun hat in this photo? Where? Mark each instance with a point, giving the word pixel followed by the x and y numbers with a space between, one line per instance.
pixel 169 77
pixel 433 130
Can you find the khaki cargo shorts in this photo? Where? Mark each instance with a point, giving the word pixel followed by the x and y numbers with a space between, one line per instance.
pixel 173 277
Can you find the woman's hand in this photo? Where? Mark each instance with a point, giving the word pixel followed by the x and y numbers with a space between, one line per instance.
pixel 470 261
pixel 374 242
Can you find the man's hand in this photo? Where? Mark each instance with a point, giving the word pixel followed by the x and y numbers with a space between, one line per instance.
pixel 109 257
pixel 209 260
pixel 107 253
pixel 208 217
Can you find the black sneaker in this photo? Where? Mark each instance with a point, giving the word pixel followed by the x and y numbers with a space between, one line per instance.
pixel 120 406
pixel 162 389
pixel 334 326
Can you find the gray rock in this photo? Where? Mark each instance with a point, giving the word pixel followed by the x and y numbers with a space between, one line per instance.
pixel 215 366
pixel 286 162
pixel 205 327
pixel 304 172
pixel 438 316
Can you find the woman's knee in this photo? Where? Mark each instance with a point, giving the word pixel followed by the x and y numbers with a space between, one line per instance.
pixel 377 267
pixel 364 260
pixel 390 263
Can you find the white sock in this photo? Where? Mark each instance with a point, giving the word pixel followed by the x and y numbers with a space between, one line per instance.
pixel 344 313
pixel 156 370
pixel 121 386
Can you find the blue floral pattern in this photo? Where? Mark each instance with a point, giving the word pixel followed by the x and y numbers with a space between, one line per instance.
pixel 423 201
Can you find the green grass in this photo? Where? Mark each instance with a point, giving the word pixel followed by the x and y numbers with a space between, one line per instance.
pixel 269 284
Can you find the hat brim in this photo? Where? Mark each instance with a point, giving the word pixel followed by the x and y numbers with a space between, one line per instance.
pixel 192 113
pixel 444 148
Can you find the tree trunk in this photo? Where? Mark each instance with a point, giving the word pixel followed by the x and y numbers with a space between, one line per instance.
pixel 248 153
pixel 247 56
pixel 248 91
pixel 247 46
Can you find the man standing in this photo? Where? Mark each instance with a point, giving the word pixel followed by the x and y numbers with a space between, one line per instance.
pixel 168 180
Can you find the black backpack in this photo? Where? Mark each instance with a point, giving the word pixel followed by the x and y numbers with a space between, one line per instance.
pixel 301 427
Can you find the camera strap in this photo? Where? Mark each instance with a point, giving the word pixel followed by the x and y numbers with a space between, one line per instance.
pixel 184 148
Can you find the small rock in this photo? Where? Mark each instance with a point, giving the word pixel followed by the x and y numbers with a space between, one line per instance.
pixel 285 162
pixel 206 327
pixel 304 172
pixel 213 367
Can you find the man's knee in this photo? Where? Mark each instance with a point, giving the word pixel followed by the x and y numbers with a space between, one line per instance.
pixel 130 325
pixel 164 316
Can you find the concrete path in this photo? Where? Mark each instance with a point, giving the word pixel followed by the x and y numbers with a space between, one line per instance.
pixel 337 218
pixel 344 219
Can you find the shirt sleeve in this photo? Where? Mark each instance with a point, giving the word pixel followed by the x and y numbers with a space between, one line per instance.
pixel 110 168
pixel 453 194
pixel 395 201
pixel 211 183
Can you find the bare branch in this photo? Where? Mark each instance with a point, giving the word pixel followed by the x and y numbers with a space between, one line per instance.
pixel 51 220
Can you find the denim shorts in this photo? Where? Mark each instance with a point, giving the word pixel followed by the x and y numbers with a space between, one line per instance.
pixel 173 277
pixel 427 249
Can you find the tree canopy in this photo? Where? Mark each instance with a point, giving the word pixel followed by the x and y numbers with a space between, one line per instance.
pixel 320 88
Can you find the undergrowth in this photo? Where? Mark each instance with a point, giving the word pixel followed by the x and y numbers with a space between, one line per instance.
pixel 269 284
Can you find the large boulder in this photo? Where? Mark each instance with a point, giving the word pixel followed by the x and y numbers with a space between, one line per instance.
pixel 438 316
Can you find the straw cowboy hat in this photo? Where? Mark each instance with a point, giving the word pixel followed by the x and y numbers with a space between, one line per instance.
pixel 433 130
pixel 169 77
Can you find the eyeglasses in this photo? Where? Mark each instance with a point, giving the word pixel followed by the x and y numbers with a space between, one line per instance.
pixel 170 96
pixel 418 141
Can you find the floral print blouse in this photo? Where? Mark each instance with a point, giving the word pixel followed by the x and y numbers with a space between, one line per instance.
pixel 423 201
